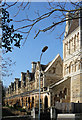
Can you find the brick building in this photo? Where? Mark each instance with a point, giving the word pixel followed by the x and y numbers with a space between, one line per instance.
pixel 61 80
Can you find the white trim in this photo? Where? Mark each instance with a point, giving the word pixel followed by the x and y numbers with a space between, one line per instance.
pixel 75 54
pixel 59 82
pixel 62 116
pixel 73 74
pixel 52 62
pixel 71 35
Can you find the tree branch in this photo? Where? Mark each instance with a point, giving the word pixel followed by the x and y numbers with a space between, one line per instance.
pixel 11 4
pixel 54 24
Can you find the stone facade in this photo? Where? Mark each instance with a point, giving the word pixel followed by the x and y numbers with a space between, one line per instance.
pixel 26 92
pixel 72 59
pixel 60 80
pixel 62 93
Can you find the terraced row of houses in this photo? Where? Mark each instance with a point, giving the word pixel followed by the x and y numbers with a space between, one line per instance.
pixel 61 80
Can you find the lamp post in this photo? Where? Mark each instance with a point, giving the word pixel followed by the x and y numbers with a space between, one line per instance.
pixel 43 50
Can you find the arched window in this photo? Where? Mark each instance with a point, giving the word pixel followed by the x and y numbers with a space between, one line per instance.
pixel 69 68
pixel 81 63
pixel 46 102
pixel 78 40
pixel 60 94
pixel 26 101
pixel 40 103
pixel 65 91
pixel 29 102
pixel 72 45
pixel 75 65
pixel 75 43
pixel 32 101
pixel 22 102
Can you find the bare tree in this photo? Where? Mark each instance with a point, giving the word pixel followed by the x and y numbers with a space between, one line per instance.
pixel 9 40
pixel 6 66
pixel 55 11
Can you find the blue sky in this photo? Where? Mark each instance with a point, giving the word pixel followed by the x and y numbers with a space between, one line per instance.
pixel 32 48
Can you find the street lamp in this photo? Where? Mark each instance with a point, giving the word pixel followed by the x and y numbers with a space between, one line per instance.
pixel 43 50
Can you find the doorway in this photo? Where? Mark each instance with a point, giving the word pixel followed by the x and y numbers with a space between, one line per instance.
pixel 46 102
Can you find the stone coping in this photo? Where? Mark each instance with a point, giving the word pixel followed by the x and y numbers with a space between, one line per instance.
pixel 69 115
pixel 17 116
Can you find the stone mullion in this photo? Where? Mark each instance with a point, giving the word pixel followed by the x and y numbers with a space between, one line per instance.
pixel 73 45
pixel 64 50
pixel 71 67
pixel 76 43
pixel 66 70
pixel 68 47
pixel 77 65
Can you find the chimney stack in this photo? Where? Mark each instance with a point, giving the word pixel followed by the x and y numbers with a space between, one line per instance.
pixel 12 87
pixel 33 66
pixel 17 84
pixel 23 79
pixel 68 22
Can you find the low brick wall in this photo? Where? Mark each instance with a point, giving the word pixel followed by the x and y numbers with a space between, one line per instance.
pixel 69 107
pixel 11 112
pixel 19 113
pixel 69 116
pixel 26 117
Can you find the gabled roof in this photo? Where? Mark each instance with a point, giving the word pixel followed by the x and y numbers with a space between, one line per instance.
pixel 59 82
pixel 31 76
pixel 51 63
pixel 73 26
pixel 74 23
pixel 43 67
